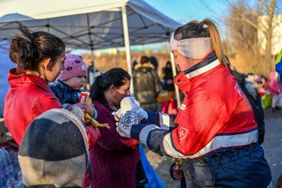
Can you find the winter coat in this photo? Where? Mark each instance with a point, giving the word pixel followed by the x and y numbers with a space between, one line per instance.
pixel 28 97
pixel 216 133
pixel 168 84
pixel 274 87
pixel 65 93
pixel 114 158
pixel 147 86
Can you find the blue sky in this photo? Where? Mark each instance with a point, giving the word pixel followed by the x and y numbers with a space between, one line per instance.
pixel 184 11
pixel 187 10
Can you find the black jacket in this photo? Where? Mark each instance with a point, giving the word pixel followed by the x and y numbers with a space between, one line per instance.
pixel 168 84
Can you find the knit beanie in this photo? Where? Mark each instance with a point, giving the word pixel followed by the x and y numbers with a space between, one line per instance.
pixel 73 66
pixel 54 151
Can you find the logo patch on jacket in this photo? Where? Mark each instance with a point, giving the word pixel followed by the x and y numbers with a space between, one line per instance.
pixel 182 133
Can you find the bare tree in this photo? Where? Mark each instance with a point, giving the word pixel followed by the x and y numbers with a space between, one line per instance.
pixel 244 23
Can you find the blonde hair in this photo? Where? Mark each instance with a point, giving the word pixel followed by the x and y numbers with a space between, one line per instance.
pixel 205 28
pixel 215 39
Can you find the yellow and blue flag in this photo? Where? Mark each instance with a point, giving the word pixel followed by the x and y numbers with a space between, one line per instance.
pixel 278 63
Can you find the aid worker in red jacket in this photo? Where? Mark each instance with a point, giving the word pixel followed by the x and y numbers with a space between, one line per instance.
pixel 215 131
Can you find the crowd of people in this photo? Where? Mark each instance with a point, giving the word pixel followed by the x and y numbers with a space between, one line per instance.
pixel 267 91
pixel 67 138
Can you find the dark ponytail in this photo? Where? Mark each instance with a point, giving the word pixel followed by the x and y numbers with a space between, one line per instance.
pixel 28 49
pixel 97 90
pixel 115 76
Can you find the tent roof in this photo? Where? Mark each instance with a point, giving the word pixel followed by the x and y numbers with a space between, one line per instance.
pixel 88 24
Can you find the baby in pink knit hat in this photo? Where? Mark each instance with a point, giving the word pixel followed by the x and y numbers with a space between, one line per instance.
pixel 70 82
pixel 74 72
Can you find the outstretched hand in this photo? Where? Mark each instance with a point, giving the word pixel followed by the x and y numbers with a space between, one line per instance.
pixel 130 104
pixel 126 122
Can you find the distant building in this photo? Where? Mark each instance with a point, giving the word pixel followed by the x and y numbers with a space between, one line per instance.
pixel 277 33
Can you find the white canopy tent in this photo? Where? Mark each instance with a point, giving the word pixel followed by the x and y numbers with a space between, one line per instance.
pixel 89 24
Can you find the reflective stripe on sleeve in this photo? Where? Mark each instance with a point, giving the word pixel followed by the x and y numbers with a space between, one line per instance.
pixel 220 141
pixel 145 132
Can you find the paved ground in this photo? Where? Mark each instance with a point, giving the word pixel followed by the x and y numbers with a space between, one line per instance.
pixel 272 147
pixel 273 143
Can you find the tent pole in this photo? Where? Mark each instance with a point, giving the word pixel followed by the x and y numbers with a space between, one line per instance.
pixel 91 44
pixel 127 45
pixel 177 94
pixel 48 26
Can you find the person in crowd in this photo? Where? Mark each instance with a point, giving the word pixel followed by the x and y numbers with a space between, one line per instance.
pixel 90 72
pixel 260 86
pixel 68 89
pixel 146 84
pixel 39 57
pixel 250 84
pixel 215 132
pixel 167 77
pixel 169 105
pixel 275 90
pixel 134 63
pixel 154 61
pixel 114 158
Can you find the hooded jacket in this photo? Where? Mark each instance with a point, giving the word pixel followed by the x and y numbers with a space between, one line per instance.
pixel 28 97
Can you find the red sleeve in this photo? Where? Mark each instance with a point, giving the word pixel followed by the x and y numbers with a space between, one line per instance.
pixel 199 122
